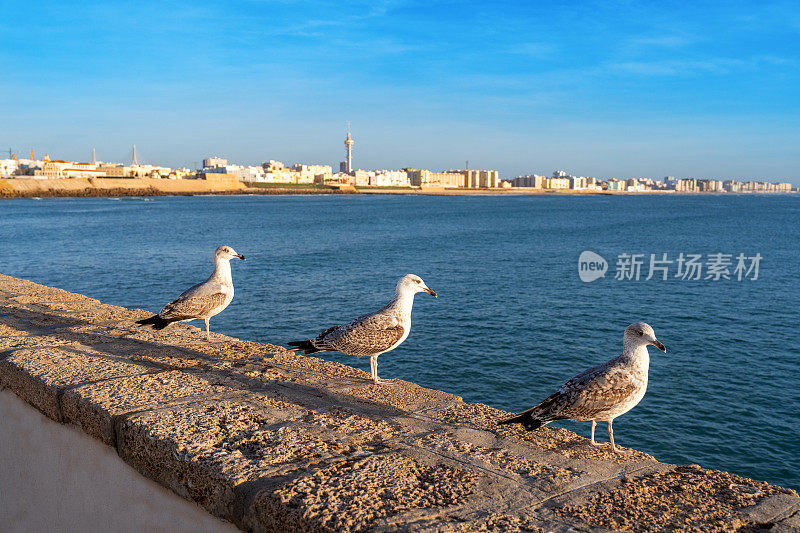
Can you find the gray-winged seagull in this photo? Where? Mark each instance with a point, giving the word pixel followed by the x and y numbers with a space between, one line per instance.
pixel 375 333
pixel 203 300
pixel 601 393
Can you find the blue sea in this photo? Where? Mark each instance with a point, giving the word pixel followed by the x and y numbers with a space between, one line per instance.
pixel 513 319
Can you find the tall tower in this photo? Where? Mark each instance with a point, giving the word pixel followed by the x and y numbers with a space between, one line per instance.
pixel 134 162
pixel 94 159
pixel 348 144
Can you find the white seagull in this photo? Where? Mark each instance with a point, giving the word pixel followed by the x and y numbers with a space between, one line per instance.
pixel 601 393
pixel 375 333
pixel 203 300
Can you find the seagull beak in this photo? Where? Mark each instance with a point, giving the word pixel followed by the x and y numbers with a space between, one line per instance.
pixel 431 292
pixel 660 346
pixel 240 256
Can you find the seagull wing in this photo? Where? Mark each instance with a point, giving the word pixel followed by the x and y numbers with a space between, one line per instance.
pixel 195 302
pixel 589 394
pixel 366 335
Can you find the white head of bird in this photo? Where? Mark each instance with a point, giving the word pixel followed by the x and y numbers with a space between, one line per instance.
pixel 639 335
pixel 412 284
pixel 227 253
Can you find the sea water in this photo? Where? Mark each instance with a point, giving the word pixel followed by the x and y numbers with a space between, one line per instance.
pixel 514 319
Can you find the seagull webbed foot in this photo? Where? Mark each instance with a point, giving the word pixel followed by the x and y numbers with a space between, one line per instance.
pixel 621 451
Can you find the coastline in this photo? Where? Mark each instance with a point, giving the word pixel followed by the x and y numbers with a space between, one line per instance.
pixel 116 187
pixel 91 187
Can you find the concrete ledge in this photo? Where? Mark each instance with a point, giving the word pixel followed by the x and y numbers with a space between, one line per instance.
pixel 273 441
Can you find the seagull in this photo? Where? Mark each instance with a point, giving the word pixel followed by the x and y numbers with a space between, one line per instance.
pixel 375 333
pixel 603 392
pixel 203 300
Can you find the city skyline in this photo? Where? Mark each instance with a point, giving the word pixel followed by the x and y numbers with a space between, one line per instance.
pixel 221 171
pixel 345 167
pixel 607 90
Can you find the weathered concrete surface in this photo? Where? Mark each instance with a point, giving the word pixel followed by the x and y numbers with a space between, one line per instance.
pixel 273 441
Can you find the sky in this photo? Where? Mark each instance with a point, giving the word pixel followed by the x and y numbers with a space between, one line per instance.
pixel 605 89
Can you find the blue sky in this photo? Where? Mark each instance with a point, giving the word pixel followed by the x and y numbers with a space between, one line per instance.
pixel 710 89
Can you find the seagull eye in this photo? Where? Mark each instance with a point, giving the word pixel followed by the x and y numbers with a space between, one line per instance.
pixel 640 333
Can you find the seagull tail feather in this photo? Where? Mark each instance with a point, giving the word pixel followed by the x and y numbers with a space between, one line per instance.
pixel 155 321
pixel 306 346
pixel 528 421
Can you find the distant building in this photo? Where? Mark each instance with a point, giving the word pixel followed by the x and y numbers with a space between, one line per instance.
pixel 112 171
pixel 472 178
pixel 426 178
pixel 389 178
pixel 533 181
pixel 219 165
pixel 670 182
pixel 557 183
pixel 594 184
pixel 52 168
pixel 276 172
pixel 348 146
pixel 732 186
pixel 577 183
pixel 82 170
pixel 313 173
pixel 632 185
pixel 615 185
pixel 362 178
pixel 210 162
pixel 489 179
pixel 8 167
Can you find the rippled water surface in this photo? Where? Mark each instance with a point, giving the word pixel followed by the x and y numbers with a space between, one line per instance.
pixel 513 320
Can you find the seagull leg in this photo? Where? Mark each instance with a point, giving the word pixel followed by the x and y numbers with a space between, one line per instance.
pixel 611 439
pixel 208 331
pixel 594 442
pixel 373 369
pixel 373 366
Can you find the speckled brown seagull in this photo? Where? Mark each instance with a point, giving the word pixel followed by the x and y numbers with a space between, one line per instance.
pixel 375 333
pixel 203 300
pixel 600 393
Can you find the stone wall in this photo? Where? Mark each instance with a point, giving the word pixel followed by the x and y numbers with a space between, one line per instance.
pixel 25 187
pixel 273 441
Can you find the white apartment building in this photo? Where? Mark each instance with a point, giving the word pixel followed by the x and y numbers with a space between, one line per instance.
pixel 577 183
pixel 389 178
pixel 8 167
pixel 210 162
pixel 313 173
